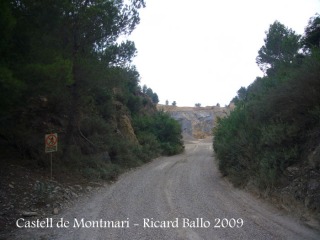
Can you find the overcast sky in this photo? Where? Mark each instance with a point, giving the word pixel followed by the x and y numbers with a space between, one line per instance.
pixel 203 51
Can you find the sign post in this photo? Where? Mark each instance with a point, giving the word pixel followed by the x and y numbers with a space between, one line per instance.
pixel 51 145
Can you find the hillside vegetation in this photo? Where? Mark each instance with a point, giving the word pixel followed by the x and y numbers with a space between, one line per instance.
pixel 272 138
pixel 64 70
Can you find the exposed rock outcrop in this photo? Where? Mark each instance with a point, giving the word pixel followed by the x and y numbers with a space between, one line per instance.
pixel 126 129
pixel 122 122
pixel 196 121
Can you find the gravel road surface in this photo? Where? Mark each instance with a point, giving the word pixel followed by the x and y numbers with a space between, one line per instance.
pixel 179 197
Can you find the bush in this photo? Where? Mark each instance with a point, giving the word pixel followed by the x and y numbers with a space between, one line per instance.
pixel 150 146
pixel 110 172
pixel 274 120
pixel 163 132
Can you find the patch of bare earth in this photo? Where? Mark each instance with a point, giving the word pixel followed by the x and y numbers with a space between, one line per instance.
pixel 32 194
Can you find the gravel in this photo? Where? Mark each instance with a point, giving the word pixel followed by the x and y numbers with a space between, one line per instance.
pixel 178 197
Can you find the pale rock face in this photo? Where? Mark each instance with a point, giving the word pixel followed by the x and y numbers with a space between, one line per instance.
pixel 196 121
pixel 126 128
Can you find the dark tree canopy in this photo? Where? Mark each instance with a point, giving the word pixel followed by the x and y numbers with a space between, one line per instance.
pixel 64 69
pixel 281 45
pixel 311 38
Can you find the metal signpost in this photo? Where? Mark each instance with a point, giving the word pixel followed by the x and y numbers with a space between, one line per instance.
pixel 51 145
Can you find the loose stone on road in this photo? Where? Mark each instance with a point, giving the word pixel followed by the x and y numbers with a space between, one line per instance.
pixel 178 197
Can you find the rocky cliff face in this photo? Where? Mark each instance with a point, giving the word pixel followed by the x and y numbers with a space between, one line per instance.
pixel 196 121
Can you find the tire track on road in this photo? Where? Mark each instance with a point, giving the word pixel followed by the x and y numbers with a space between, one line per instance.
pixel 185 186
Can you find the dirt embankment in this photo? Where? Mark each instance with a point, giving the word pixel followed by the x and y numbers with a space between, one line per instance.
pixel 33 194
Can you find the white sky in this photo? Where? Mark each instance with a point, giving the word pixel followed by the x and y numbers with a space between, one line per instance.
pixel 203 51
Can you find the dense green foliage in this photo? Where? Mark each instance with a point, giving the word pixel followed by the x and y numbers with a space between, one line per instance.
pixel 149 92
pixel 63 70
pixel 276 120
pixel 161 131
pixel 281 45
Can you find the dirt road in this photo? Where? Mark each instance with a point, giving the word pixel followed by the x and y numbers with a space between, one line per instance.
pixel 179 197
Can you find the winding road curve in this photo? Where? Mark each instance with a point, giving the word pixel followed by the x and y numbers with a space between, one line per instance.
pixel 184 196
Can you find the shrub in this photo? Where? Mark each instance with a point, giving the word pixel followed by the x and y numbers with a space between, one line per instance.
pixel 274 120
pixel 163 131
